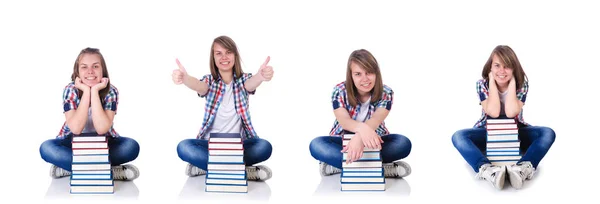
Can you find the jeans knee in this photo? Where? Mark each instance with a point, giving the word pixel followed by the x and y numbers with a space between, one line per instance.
pixel 457 138
pixel 548 135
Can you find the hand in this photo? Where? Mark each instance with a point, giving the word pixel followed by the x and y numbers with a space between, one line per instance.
pixel 369 137
pixel 100 85
pixel 266 71
pixel 491 76
pixel 179 74
pixel 80 85
pixel 354 149
pixel 512 83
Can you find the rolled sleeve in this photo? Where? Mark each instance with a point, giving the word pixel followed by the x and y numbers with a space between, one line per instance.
pixel 70 98
pixel 387 98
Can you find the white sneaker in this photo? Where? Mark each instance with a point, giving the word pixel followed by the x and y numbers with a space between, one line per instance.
pixel 192 171
pixel 517 173
pixel 57 172
pixel 125 172
pixel 397 169
pixel 327 169
pixel 258 173
pixel 492 173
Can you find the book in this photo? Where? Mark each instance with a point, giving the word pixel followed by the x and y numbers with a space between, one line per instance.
pixel 226 170
pixel 364 174
pixel 90 168
pixel 502 141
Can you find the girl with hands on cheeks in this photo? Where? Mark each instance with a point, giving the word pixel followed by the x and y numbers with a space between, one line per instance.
pixel 90 105
pixel 360 105
pixel 502 92
pixel 226 90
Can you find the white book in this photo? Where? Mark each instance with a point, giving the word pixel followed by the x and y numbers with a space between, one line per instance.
pixel 363 179
pixel 89 139
pixel 243 172
pixel 498 158
pixel 228 159
pixel 90 176
pixel 503 144
pixel 225 139
pixel 225 146
pixel 100 182
pixel 502 132
pixel 90 167
pixel 226 167
pixel 90 158
pixel 227 188
pixel 361 164
pixel 494 138
pixel 76 172
pixel 225 152
pixel 507 149
pixel 363 169
pixel 365 149
pixel 501 126
pixel 92 189
pixel 363 187
pixel 226 176
pixel 227 181
pixel 513 153
pixel 90 151
pixel 365 156
pixel 504 163
pixel 499 121
pixel 89 145
pixel 363 174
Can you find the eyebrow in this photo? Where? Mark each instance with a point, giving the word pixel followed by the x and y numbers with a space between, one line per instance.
pixel 92 63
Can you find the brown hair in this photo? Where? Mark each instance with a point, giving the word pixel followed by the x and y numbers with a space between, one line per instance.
pixel 228 44
pixel 364 59
pixel 75 74
pixel 509 59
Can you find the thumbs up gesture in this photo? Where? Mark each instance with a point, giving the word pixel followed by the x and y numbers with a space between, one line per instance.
pixel 179 74
pixel 266 71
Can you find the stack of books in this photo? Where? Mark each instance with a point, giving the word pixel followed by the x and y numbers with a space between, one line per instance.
pixel 226 168
pixel 502 141
pixel 365 174
pixel 90 169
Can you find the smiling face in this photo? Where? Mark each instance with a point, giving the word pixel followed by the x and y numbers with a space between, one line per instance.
pixel 90 69
pixel 502 73
pixel 224 58
pixel 363 80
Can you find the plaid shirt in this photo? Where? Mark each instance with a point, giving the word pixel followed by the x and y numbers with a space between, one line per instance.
pixel 482 90
pixel 339 99
pixel 214 96
pixel 71 101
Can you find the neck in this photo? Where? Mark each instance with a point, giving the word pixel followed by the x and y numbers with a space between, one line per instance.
pixel 364 97
pixel 226 76
pixel 502 87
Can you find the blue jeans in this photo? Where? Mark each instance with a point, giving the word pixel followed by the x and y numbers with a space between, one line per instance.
pixel 535 143
pixel 195 151
pixel 59 152
pixel 328 149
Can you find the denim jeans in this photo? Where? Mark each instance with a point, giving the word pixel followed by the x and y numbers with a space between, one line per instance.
pixel 59 152
pixel 328 149
pixel 535 143
pixel 195 151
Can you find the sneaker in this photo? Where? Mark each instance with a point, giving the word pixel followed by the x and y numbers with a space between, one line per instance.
pixel 517 173
pixel 397 169
pixel 258 173
pixel 125 172
pixel 492 173
pixel 57 172
pixel 192 170
pixel 327 169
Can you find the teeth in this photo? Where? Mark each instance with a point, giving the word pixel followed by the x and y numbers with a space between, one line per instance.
pixel 224 62
pixel 90 78
pixel 365 84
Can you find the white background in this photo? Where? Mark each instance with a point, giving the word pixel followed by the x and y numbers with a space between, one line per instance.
pixel 430 53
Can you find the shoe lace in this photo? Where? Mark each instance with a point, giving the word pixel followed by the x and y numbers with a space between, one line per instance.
pixel 526 170
pixel 389 170
pixel 119 173
pixel 487 172
pixel 252 173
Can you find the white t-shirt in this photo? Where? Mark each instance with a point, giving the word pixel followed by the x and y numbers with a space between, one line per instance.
pixel 502 101
pixel 89 124
pixel 226 120
pixel 364 110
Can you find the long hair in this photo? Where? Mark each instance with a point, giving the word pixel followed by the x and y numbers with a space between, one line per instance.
pixel 510 60
pixel 364 59
pixel 75 74
pixel 228 44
